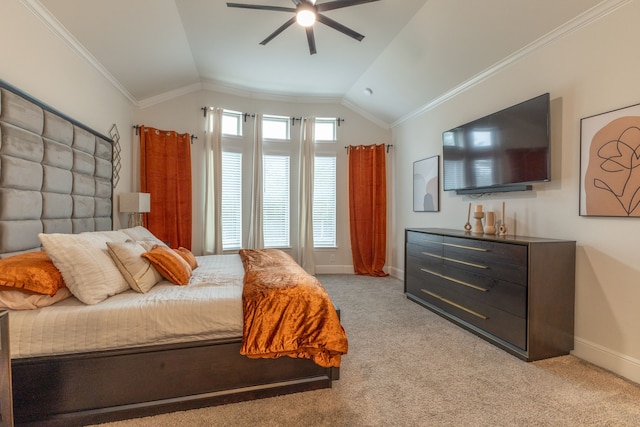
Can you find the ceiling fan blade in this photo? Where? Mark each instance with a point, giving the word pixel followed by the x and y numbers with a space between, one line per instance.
pixel 278 31
pixel 296 2
pixel 337 4
pixel 337 26
pixel 312 41
pixel 260 7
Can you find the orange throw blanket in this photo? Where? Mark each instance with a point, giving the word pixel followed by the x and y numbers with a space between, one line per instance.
pixel 287 312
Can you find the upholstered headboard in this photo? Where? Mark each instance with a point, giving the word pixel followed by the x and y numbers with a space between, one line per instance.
pixel 55 174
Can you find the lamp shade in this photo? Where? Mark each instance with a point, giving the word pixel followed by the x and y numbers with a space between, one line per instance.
pixel 135 202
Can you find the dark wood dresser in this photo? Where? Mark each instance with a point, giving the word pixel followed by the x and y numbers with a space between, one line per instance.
pixel 515 292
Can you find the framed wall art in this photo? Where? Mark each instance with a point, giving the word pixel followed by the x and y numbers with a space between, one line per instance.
pixel 426 185
pixel 610 163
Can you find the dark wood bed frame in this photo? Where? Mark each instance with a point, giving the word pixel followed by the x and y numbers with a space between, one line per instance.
pixel 95 387
pixel 88 388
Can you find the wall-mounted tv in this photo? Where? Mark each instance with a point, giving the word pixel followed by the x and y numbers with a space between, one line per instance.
pixel 504 151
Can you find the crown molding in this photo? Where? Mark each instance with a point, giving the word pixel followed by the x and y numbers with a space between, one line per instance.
pixel 595 13
pixel 364 113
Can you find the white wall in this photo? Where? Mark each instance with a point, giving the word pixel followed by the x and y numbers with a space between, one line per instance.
pixel 41 64
pixel 184 114
pixel 592 70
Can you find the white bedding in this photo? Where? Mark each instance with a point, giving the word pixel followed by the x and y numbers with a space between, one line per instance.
pixel 209 307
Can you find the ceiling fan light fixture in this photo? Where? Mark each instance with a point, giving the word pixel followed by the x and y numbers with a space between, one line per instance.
pixel 306 17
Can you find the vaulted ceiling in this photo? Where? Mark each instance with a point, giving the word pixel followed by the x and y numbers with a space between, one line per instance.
pixel 414 51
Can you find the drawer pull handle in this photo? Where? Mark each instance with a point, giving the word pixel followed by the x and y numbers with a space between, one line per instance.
pixel 432 255
pixel 471 264
pixel 471 285
pixel 471 248
pixel 468 310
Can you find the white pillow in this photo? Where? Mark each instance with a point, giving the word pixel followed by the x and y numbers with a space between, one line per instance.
pixel 112 235
pixel 137 271
pixel 141 234
pixel 86 267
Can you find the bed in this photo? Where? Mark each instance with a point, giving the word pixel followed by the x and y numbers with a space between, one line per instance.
pixel 56 181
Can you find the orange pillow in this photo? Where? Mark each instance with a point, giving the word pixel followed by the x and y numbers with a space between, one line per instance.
pixel 31 271
pixel 188 256
pixel 169 264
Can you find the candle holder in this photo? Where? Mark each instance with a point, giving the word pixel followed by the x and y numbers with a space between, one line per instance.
pixel 477 228
pixel 467 226
pixel 490 226
pixel 502 230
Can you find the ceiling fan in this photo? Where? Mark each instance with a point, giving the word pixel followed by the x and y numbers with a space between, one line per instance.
pixel 307 12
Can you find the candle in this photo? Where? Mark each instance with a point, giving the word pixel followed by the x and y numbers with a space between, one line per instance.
pixel 478 208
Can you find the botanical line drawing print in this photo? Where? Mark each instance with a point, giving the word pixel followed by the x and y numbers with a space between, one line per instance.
pixel 612 180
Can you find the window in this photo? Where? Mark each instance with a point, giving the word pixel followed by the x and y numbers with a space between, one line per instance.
pixel 276 201
pixel 276 127
pixel 231 123
pixel 231 200
pixel 325 129
pixel 324 202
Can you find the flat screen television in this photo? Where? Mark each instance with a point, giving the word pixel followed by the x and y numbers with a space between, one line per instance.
pixel 504 151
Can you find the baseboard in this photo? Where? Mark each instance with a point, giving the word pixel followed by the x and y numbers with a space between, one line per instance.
pixel 348 269
pixel 396 272
pixel 618 363
pixel 334 269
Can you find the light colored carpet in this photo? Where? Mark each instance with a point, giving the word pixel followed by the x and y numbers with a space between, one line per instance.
pixel 409 367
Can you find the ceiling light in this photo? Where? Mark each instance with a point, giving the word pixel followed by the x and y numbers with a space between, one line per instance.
pixel 306 17
pixel 368 91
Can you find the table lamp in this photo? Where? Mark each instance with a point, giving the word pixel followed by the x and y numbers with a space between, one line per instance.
pixel 135 204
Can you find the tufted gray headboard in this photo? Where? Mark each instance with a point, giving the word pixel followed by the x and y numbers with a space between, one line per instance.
pixel 55 174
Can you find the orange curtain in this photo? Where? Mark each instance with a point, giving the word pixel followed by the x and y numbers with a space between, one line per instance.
pixel 165 173
pixel 368 209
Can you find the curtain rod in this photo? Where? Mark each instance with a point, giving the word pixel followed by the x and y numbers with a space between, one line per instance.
pixel 192 136
pixel 205 109
pixel 346 147
pixel 245 115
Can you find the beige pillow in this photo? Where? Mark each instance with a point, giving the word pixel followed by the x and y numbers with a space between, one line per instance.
pixel 85 264
pixel 137 271
pixel 16 299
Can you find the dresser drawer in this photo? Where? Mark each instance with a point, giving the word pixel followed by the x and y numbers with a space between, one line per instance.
pixel 504 325
pixel 497 293
pixel 503 253
pixel 422 256
pixel 428 242
pixel 495 260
